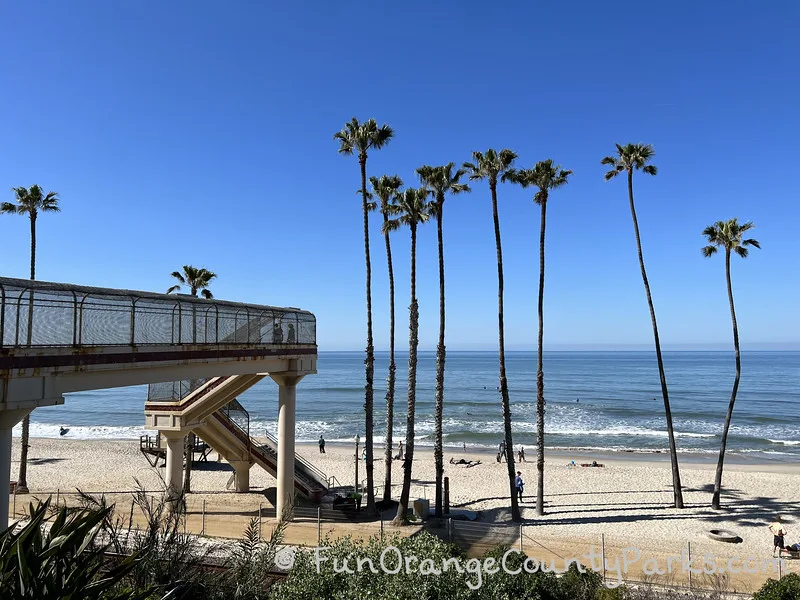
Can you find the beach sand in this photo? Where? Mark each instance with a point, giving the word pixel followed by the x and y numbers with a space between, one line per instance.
pixel 625 503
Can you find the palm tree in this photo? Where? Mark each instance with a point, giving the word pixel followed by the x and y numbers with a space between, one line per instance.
pixel 728 235
pixel 197 280
pixel 630 158
pixel 385 188
pixel 493 166
pixel 441 181
pixel 361 138
pixel 413 209
pixel 546 177
pixel 29 201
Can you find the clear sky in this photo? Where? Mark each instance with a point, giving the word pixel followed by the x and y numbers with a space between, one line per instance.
pixel 201 132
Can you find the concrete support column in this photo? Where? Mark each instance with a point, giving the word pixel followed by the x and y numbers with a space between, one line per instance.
pixel 241 470
pixel 287 388
pixel 174 475
pixel 8 418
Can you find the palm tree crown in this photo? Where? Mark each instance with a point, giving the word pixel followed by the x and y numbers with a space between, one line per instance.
pixel 196 279
pixel 361 137
pixel 31 201
pixel 544 175
pixel 385 188
pixel 630 157
pixel 442 181
pixel 491 166
pixel 412 206
pixel 728 235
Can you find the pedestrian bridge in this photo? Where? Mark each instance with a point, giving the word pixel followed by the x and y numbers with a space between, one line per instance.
pixel 58 338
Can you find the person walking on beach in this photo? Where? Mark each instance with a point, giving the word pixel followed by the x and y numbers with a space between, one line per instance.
pixel 399 450
pixel 321 445
pixel 519 485
pixel 778 533
pixel 501 451
pixel 521 454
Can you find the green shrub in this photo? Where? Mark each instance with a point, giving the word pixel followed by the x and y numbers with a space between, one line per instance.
pixel 787 588
pixel 65 562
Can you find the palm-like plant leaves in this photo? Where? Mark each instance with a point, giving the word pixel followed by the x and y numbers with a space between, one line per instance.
pixel 728 235
pixel 65 562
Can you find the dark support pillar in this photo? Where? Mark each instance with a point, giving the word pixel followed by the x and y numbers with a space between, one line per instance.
pixel 447 495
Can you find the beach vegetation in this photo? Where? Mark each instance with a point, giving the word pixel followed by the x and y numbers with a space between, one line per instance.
pixel 630 158
pixel 545 176
pixel 30 202
pixel 441 180
pixel 785 588
pixel 412 210
pixel 361 138
pixel 496 167
pixel 728 235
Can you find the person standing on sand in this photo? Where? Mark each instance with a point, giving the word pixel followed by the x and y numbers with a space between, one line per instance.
pixel 400 450
pixel 521 454
pixel 778 533
pixel 321 445
pixel 519 485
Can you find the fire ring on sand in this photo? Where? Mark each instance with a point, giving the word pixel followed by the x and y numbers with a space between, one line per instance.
pixel 724 535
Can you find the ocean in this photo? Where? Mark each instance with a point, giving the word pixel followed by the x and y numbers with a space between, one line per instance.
pixel 601 401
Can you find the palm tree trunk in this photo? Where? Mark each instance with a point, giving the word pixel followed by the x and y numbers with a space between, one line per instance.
pixel 673 451
pixel 438 452
pixel 413 340
pixel 390 381
pixel 718 477
pixel 370 360
pixel 22 477
pixel 188 455
pixel 540 403
pixel 515 514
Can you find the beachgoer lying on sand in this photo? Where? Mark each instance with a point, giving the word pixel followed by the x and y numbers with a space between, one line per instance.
pixel 594 463
pixel 461 461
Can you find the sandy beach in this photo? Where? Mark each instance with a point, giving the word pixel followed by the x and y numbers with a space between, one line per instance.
pixel 627 499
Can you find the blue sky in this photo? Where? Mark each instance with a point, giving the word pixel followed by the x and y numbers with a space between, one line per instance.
pixel 201 132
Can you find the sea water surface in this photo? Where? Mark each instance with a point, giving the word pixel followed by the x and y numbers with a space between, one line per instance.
pixel 595 400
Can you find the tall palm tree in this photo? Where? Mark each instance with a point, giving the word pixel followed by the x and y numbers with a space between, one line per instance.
pixel 385 188
pixel 495 166
pixel 29 201
pixel 630 158
pixel 441 181
pixel 413 210
pixel 728 235
pixel 360 138
pixel 197 280
pixel 546 177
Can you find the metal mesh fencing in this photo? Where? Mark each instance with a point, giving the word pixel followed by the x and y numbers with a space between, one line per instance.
pixel 35 313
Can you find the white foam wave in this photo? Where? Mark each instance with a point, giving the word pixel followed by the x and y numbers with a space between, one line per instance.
pixel 786 442
pixel 82 432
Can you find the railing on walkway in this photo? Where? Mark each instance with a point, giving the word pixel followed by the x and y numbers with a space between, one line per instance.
pixel 39 313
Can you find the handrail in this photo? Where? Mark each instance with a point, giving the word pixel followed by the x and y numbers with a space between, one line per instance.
pixel 315 476
pixel 298 459
pixel 82 316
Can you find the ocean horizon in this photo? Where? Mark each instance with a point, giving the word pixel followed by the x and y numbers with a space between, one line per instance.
pixel 598 400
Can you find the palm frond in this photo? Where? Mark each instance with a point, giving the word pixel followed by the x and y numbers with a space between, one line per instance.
pixel 650 169
pixel 708 250
pixel 173 289
pixel 206 294
pixel 7 207
pixel 751 242
pixel 741 251
pixel 611 174
pixel 177 275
